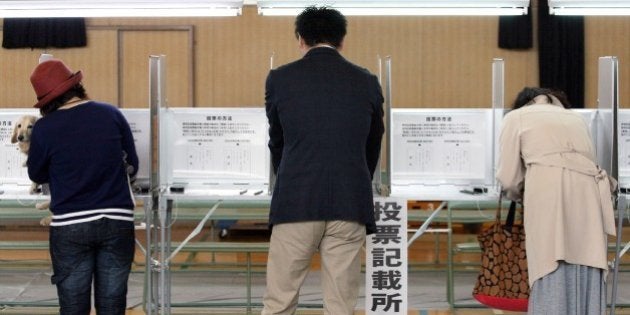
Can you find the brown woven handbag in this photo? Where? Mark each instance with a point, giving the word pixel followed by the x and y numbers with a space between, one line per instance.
pixel 502 281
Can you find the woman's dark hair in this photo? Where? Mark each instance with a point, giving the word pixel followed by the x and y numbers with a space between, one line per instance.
pixel 77 91
pixel 562 97
pixel 321 26
pixel 529 93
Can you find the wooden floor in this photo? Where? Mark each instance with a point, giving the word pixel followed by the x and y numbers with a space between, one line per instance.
pixel 428 251
pixel 196 311
pixel 30 311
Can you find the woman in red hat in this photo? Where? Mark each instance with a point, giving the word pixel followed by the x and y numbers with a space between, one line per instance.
pixel 85 150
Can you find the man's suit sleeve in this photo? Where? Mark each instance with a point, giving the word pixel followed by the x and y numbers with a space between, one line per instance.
pixel 276 138
pixel 373 145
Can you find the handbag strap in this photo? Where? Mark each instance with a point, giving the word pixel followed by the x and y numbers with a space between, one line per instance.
pixel 509 221
pixel 499 206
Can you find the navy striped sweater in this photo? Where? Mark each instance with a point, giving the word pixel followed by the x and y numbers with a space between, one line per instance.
pixel 80 152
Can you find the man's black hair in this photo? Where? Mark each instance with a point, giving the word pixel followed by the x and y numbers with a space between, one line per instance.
pixel 321 25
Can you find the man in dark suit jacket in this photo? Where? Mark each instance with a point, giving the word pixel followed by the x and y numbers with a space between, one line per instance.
pixel 325 126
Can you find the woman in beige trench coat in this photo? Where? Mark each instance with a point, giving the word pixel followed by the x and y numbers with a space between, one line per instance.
pixel 547 161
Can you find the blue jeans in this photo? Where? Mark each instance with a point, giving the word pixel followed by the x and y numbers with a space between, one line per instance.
pixel 225 224
pixel 101 251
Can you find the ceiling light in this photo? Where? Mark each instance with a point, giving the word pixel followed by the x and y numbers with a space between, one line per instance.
pixel 589 7
pixel 398 7
pixel 118 8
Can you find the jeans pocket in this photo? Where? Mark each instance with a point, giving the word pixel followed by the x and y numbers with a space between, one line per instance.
pixel 69 246
pixel 120 227
pixel 120 246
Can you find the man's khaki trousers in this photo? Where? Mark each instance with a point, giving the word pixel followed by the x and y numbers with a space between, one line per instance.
pixel 291 249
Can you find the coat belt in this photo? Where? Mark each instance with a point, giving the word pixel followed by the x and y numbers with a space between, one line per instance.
pixel 606 184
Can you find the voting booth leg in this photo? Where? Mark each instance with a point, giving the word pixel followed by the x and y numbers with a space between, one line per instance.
pixel 249 283
pixel 621 206
pixel 158 277
pixel 164 212
pixel 150 298
pixel 450 294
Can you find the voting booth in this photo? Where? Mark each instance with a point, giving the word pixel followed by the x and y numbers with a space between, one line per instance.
pixel 446 154
pixel 202 158
pixel 441 152
pixel 13 172
pixel 216 151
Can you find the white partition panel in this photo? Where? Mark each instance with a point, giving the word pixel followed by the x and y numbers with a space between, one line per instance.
pixel 498 108
pixel 218 150
pixel 623 143
pixel 610 152
pixel 436 149
pixel 590 116
pixel 139 123
pixel 13 168
pixel 607 103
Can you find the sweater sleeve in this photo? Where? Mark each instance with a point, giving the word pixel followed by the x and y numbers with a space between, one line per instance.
pixel 38 159
pixel 128 144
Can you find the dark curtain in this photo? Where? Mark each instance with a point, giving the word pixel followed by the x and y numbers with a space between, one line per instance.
pixel 44 32
pixel 561 53
pixel 515 32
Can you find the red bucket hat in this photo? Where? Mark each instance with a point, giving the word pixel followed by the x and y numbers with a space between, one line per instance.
pixel 51 79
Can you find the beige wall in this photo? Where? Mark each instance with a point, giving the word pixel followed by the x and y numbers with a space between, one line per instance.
pixel 607 36
pixel 437 61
